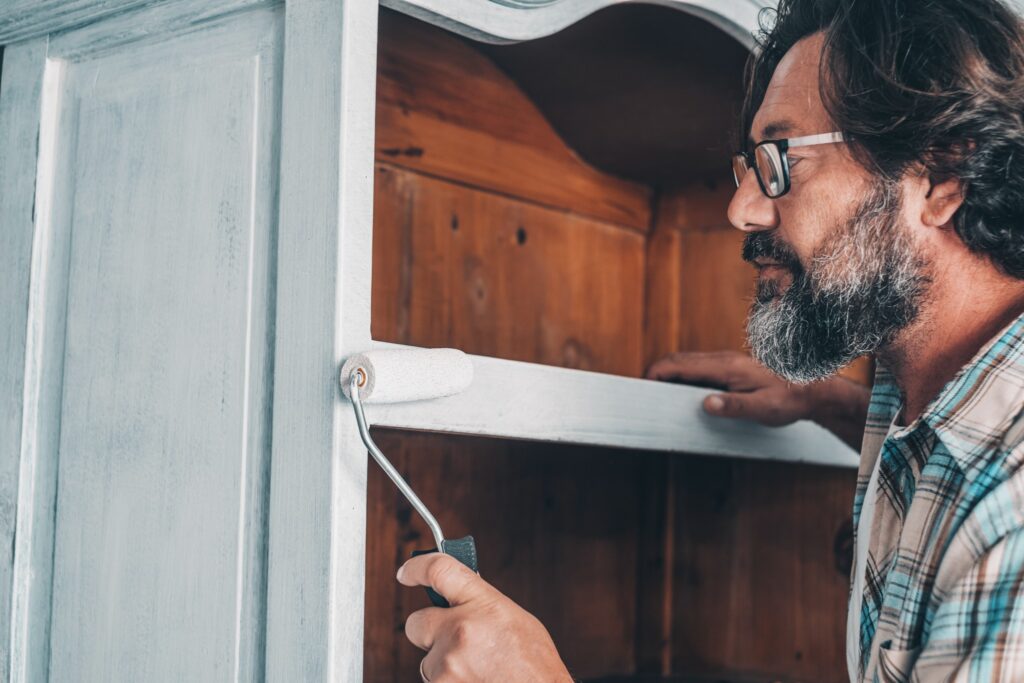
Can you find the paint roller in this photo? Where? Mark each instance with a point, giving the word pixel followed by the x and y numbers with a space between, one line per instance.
pixel 399 375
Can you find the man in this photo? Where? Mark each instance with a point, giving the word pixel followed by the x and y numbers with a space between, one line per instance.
pixel 881 188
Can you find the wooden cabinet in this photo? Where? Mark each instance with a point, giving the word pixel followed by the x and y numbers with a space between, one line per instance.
pixel 206 206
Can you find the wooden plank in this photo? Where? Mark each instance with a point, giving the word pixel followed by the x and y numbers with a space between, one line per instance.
pixel 315 589
pixel 655 582
pixel 44 357
pixel 503 277
pixel 757 586
pixel 446 110
pixel 663 295
pixel 21 86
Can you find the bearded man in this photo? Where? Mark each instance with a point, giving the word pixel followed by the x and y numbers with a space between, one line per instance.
pixel 881 187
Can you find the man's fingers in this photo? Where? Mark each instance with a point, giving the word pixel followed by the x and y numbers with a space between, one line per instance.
pixel 421 627
pixel 446 575
pixel 757 406
pixel 695 367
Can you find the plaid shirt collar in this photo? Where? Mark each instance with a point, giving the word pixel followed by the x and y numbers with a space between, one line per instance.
pixel 973 410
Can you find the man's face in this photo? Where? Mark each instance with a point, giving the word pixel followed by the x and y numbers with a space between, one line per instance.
pixel 838 274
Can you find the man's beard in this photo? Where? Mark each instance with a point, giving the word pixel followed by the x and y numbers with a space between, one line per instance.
pixel 862 287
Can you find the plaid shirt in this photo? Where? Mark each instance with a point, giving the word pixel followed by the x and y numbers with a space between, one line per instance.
pixel 943 592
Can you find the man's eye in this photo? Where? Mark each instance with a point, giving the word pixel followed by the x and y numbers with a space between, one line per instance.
pixel 793 161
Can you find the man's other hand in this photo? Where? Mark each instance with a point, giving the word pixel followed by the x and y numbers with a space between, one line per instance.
pixel 750 391
pixel 483 637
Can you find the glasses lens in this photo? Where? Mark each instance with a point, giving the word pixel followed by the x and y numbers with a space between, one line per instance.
pixel 769 167
pixel 739 168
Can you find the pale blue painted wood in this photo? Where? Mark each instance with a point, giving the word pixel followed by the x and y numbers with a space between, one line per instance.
pixel 43 373
pixel 20 95
pixel 155 231
pixel 318 480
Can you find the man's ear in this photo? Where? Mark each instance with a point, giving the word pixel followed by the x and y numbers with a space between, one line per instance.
pixel 941 201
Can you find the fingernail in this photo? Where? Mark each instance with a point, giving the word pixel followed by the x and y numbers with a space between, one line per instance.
pixel 399 574
pixel 714 404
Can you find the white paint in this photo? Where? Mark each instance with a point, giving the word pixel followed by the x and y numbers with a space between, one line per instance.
pixel 20 105
pixel 400 375
pixel 43 370
pixel 318 480
pixel 529 401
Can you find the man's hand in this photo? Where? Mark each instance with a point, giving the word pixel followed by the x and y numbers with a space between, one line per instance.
pixel 483 636
pixel 752 392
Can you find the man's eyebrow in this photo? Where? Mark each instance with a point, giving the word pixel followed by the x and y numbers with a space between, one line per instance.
pixel 773 130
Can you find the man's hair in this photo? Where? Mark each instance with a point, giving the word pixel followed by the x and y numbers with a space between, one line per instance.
pixel 935 86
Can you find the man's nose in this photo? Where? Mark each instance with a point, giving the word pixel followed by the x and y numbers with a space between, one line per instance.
pixel 750 210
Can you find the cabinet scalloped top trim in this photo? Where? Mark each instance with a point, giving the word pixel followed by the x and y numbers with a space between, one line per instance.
pixel 503 21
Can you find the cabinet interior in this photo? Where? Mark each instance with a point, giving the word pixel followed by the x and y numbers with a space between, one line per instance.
pixel 562 202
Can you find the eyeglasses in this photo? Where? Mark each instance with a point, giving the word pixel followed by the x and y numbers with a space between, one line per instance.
pixel 770 163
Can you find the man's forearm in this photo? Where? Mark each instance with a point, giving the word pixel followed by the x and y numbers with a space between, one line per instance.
pixel 841 406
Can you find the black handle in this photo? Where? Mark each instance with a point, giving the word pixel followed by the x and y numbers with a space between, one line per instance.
pixel 463 550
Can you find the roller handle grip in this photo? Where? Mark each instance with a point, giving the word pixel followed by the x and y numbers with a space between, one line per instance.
pixel 463 550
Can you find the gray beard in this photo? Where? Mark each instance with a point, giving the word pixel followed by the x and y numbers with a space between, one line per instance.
pixel 863 286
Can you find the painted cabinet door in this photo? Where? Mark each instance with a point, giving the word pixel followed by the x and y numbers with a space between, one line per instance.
pixel 174 198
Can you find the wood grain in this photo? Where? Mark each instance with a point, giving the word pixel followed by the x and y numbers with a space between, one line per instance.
pixel 756 584
pixel 503 277
pixel 446 110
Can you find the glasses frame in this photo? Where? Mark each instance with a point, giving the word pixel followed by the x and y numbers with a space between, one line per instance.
pixel 782 145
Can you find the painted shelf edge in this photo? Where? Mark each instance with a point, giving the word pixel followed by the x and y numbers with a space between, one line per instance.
pixel 511 399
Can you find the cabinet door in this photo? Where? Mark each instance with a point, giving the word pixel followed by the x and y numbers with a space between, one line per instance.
pixel 177 256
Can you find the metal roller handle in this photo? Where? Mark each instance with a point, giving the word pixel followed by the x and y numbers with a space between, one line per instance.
pixel 389 469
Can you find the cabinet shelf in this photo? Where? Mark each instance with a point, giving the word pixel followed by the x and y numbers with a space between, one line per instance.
pixel 511 399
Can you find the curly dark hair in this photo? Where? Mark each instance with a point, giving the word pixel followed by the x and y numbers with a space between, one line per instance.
pixel 934 86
